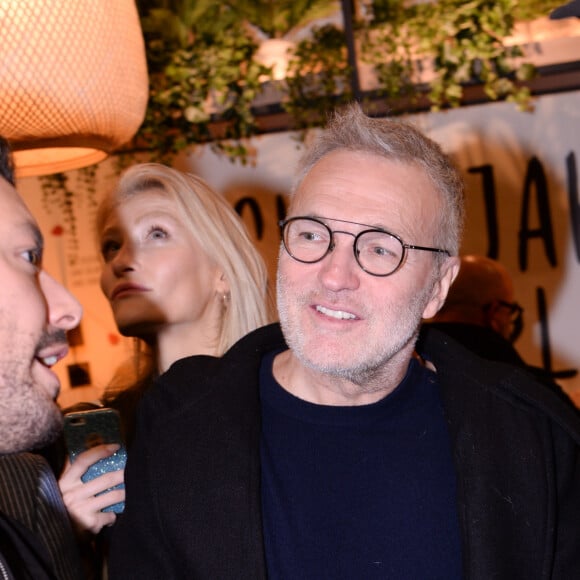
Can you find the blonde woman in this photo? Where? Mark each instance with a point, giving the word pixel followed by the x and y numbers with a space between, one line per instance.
pixel 181 275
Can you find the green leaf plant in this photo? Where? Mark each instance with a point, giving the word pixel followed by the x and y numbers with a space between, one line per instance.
pixel 204 77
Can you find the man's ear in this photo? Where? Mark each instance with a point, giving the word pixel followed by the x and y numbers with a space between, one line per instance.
pixel 493 318
pixel 448 273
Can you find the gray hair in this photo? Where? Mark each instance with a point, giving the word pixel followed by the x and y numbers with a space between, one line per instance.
pixel 394 139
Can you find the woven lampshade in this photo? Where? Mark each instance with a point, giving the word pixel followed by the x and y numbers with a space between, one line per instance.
pixel 73 81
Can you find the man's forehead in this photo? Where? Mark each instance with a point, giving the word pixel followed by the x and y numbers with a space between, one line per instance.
pixel 9 195
pixel 14 214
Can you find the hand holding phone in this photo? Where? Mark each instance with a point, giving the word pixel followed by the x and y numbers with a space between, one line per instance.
pixel 86 429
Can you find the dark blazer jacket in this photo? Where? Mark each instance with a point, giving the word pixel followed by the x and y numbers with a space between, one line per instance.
pixel 36 531
pixel 193 505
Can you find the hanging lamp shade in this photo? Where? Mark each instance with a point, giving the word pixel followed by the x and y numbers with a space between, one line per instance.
pixel 73 81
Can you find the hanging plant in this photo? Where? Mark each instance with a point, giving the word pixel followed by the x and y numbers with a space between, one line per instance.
pixel 201 71
pixel 467 47
pixel 204 75
pixel 318 77
pixel 463 42
pixel 388 47
pixel 65 203
pixel 58 197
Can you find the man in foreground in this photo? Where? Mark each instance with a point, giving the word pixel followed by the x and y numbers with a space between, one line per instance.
pixel 36 538
pixel 333 449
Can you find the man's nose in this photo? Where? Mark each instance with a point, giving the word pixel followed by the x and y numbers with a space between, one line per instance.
pixel 339 269
pixel 64 310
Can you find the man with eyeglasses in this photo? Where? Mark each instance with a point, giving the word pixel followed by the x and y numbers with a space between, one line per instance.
pixel 332 448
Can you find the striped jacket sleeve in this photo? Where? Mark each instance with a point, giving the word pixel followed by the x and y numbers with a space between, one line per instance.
pixel 29 494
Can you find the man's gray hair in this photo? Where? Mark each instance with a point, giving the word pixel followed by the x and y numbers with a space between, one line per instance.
pixel 396 140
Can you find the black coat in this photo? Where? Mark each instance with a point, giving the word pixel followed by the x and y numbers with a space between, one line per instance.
pixel 193 505
pixel 489 344
pixel 36 536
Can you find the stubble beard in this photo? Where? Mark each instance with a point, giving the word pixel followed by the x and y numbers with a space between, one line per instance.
pixel 29 418
pixel 374 362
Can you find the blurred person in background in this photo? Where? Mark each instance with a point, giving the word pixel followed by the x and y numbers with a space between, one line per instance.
pixel 482 314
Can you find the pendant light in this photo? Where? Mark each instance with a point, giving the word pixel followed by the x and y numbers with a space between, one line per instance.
pixel 73 81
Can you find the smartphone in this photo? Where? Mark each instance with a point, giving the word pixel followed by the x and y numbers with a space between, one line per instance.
pixel 86 429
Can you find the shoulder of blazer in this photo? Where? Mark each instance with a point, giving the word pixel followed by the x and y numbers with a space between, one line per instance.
pixel 20 478
pixel 460 371
pixel 192 379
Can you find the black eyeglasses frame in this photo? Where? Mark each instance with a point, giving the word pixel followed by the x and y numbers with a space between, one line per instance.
pixel 283 224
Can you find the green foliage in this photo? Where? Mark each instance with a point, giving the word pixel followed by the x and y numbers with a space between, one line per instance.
pixel 204 75
pixel 318 77
pixel 65 202
pixel 201 68
pixel 277 18
pixel 464 41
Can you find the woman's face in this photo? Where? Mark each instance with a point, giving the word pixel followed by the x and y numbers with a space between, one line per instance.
pixel 155 275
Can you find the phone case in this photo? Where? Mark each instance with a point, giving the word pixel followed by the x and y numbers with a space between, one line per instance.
pixel 86 429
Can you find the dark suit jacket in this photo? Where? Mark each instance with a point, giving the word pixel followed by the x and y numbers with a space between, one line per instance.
pixel 193 478
pixel 489 344
pixel 32 505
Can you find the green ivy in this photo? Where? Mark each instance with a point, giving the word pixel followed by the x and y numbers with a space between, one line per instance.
pixel 318 77
pixel 203 75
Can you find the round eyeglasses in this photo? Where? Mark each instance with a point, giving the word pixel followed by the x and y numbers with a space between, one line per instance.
pixel 376 251
pixel 516 314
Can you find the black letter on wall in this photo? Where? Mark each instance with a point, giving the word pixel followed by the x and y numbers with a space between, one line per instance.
pixel 574 201
pixel 256 213
pixel 536 176
pixel 545 340
pixel 490 208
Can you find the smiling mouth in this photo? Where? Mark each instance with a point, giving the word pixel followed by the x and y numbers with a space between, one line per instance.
pixel 338 314
pixel 48 361
pixel 51 348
